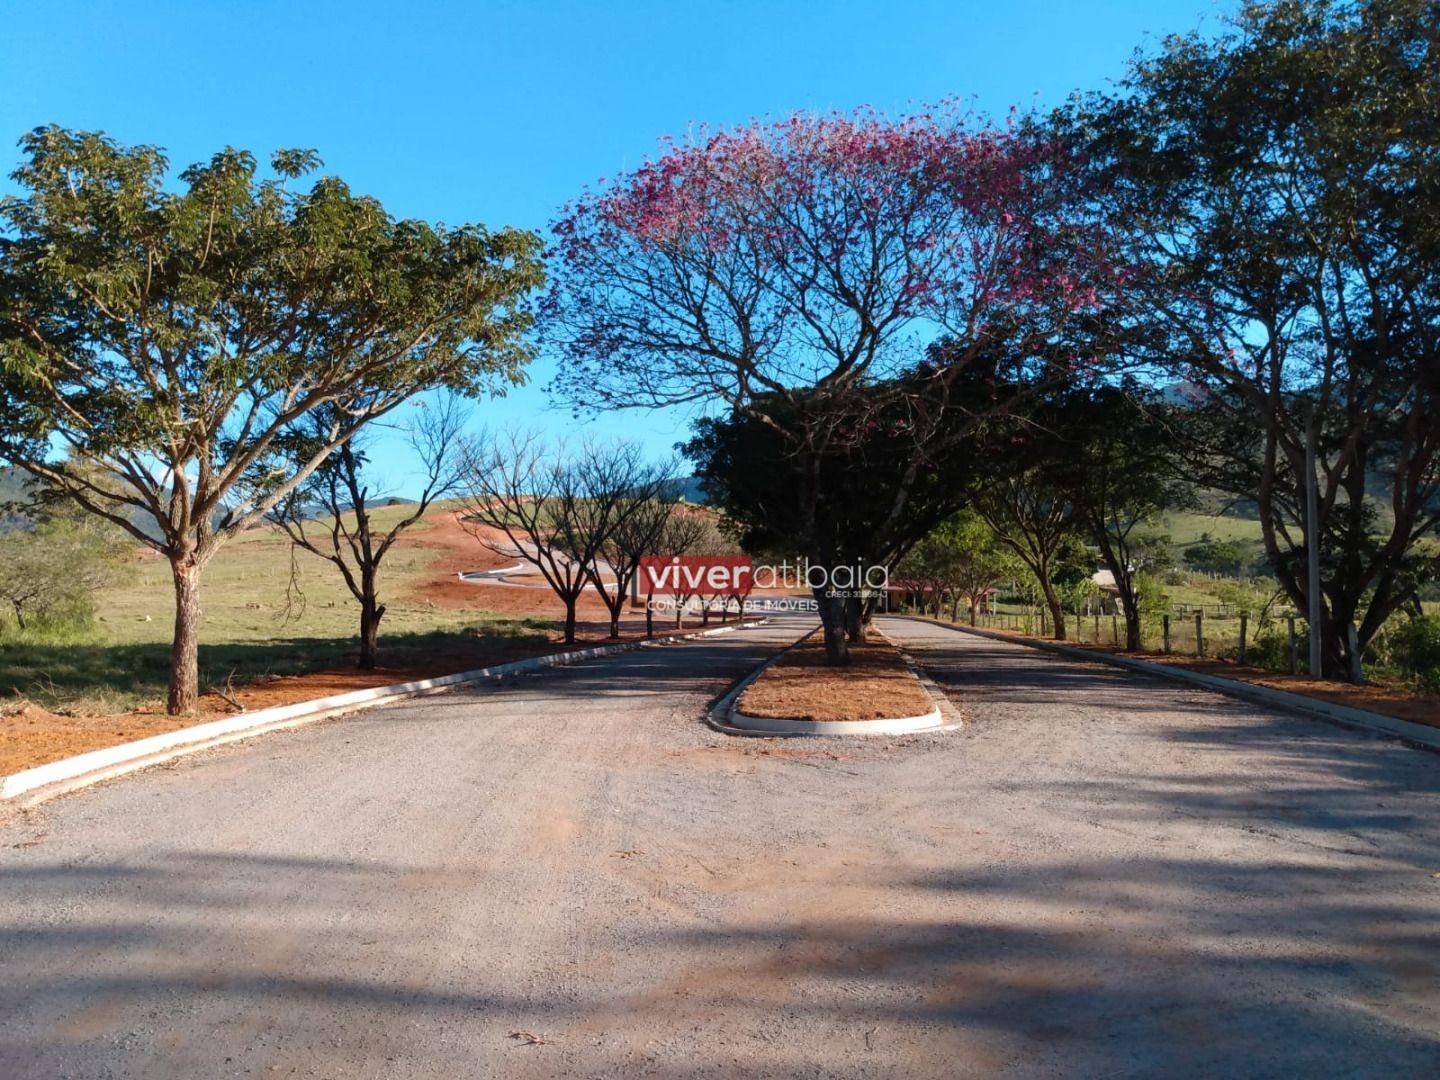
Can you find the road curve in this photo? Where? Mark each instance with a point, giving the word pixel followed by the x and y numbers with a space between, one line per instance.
pixel 571 875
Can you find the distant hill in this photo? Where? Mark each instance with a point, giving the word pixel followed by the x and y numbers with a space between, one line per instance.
pixel 689 489
pixel 14 488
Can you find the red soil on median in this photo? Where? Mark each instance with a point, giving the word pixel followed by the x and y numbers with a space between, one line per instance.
pixel 802 686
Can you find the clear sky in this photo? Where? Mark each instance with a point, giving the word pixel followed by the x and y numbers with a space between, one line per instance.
pixel 500 112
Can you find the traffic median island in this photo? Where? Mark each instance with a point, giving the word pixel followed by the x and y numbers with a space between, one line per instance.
pixel 800 692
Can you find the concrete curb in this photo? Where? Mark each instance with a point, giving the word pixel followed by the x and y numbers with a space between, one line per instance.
pixel 726 718
pixel 1418 736
pixel 952 713
pixel 69 774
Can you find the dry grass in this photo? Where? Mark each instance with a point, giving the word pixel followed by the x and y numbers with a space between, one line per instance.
pixel 802 686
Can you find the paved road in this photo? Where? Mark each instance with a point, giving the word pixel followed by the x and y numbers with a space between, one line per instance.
pixel 1102 874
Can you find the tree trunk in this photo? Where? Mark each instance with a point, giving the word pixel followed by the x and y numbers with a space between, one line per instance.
pixel 185 645
pixel 1057 613
pixel 19 613
pixel 832 620
pixel 854 620
pixel 1132 621
pixel 615 611
pixel 570 620
pixel 371 612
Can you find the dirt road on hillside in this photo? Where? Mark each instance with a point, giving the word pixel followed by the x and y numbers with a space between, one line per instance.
pixel 571 875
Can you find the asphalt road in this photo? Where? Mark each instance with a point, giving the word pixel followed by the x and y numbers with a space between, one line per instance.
pixel 569 874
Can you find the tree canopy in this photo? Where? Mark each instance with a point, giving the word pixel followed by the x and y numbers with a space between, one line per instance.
pixel 1280 185
pixel 793 275
pixel 156 337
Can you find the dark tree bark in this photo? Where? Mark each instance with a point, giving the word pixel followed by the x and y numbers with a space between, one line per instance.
pixel 184 693
pixel 371 612
pixel 832 622
pixel 1052 600
pixel 855 621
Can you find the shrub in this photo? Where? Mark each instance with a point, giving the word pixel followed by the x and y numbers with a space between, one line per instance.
pixel 1414 650
pixel 1215 556
pixel 48 575
pixel 1270 650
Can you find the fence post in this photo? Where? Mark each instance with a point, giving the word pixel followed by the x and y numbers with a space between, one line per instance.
pixel 1165 625
pixel 1200 632
pixel 1244 624
pixel 1294 660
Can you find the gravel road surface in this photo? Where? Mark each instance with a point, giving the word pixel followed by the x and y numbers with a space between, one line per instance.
pixel 1102 874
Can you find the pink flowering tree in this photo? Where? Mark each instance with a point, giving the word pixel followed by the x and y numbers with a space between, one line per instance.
pixel 811 263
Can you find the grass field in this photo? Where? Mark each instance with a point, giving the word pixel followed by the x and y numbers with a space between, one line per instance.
pixel 249 629
pixel 1186 528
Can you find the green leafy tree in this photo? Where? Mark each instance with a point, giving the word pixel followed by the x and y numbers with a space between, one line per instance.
pixel 1022 490
pixel 836 507
pixel 156 338
pixel 1281 182
pixel 1119 465
pixel 974 561
pixel 1152 551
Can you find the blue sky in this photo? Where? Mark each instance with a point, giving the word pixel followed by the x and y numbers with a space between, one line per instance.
pixel 499 112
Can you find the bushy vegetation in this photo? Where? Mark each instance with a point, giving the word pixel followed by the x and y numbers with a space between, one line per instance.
pixel 49 572
pixel 1410 649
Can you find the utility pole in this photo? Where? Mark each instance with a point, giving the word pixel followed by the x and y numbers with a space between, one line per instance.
pixel 1312 539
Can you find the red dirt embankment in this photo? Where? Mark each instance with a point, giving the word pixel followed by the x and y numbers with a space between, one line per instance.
pixel 459 548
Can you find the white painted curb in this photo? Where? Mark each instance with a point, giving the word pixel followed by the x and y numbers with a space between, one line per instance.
pixel 899 725
pixel 68 774
pixel 1417 735
pixel 727 718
